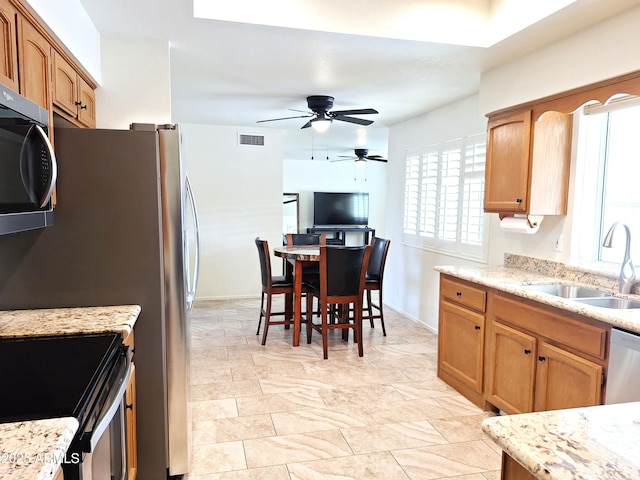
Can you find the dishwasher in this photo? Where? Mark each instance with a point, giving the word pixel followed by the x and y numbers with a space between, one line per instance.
pixel 623 383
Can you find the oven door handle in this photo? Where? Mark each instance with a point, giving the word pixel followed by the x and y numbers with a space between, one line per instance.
pixel 115 401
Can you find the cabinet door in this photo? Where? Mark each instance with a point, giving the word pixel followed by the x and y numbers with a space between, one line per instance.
pixel 8 52
pixel 461 344
pixel 35 64
pixel 65 85
pixel 508 163
pixel 565 380
pixel 87 106
pixel 511 369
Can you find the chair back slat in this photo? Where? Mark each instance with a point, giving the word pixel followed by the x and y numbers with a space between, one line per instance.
pixel 379 250
pixel 306 239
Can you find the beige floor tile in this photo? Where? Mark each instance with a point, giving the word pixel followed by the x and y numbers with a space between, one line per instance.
pixel 215 391
pixel 276 472
pixel 378 466
pixel 458 405
pixel 461 429
pixel 301 447
pixel 303 421
pixel 432 388
pixel 448 460
pixel 392 436
pixel 217 457
pixel 230 429
pixel 279 402
pixel 212 409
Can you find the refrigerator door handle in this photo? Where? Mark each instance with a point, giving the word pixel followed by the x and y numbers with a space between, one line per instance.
pixel 192 281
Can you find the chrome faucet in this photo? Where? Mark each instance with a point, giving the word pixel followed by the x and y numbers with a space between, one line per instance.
pixel 627 271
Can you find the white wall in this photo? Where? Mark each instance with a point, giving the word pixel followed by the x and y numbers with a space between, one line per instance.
pixel 136 83
pixel 603 51
pixel 308 176
pixel 238 192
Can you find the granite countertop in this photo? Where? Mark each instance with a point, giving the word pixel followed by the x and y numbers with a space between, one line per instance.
pixel 591 443
pixel 33 450
pixel 518 272
pixel 68 321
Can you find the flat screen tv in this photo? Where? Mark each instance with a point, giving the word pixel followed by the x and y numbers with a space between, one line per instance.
pixel 332 208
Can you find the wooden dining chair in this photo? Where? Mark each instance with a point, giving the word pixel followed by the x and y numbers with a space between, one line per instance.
pixel 340 289
pixel 375 273
pixel 272 285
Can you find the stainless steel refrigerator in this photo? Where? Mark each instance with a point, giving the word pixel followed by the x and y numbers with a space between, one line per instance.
pixel 125 232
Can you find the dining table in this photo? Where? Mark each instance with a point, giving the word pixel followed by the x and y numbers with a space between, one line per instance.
pixel 298 256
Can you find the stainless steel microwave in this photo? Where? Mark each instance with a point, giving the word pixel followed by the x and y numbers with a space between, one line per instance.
pixel 28 168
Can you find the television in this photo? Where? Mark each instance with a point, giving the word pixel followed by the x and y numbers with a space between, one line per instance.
pixel 333 208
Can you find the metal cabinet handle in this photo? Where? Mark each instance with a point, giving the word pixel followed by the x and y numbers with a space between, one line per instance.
pixel 541 358
pixel 527 351
pixel 477 327
pixel 459 294
pixel 518 200
pixel 79 104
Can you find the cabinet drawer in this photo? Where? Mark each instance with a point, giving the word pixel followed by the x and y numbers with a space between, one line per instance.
pixel 463 294
pixel 567 331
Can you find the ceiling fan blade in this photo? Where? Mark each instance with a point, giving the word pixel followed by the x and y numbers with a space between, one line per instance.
pixel 359 121
pixel 306 125
pixel 284 118
pixel 377 158
pixel 360 111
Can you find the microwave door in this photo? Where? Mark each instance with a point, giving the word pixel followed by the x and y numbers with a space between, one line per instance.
pixel 38 166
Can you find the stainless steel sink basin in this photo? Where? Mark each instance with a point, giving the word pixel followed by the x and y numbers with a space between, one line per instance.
pixel 610 302
pixel 567 291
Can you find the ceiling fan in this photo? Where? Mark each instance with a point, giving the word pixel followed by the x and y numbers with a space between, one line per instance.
pixel 362 155
pixel 320 106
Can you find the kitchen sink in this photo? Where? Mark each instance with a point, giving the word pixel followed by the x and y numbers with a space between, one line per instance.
pixel 567 291
pixel 610 302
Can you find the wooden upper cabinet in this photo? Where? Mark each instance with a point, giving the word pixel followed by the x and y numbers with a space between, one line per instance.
pixel 72 95
pixel 35 64
pixel 8 52
pixel 528 160
pixel 507 167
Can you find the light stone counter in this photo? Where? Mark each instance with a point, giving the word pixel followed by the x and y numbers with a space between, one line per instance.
pixel 593 443
pixel 68 321
pixel 31 450
pixel 518 272
pixel 34 450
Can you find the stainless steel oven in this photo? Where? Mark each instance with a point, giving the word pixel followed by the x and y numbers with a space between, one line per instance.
pixel 81 376
pixel 28 168
pixel 98 451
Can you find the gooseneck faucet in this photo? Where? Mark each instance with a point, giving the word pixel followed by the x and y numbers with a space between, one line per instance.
pixel 627 271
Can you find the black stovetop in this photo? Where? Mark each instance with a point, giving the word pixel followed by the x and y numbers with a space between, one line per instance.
pixel 48 377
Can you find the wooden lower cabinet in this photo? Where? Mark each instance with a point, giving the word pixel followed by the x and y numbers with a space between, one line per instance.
pixel 539 359
pixel 461 328
pixel 505 353
pixel 130 418
pixel 130 427
pixel 512 470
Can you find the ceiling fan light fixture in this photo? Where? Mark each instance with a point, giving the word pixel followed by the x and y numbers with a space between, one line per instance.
pixel 321 124
pixel 361 161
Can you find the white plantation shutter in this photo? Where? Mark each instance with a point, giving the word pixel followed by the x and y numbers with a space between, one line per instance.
pixel 411 186
pixel 444 190
pixel 429 195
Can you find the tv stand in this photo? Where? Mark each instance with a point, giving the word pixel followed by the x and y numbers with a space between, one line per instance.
pixel 340 232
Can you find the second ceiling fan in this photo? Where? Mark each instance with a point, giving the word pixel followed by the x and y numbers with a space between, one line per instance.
pixel 362 155
pixel 320 106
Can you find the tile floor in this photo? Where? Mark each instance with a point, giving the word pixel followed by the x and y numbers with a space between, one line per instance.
pixel 277 412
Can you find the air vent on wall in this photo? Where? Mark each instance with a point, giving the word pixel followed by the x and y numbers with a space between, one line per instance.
pixel 251 140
